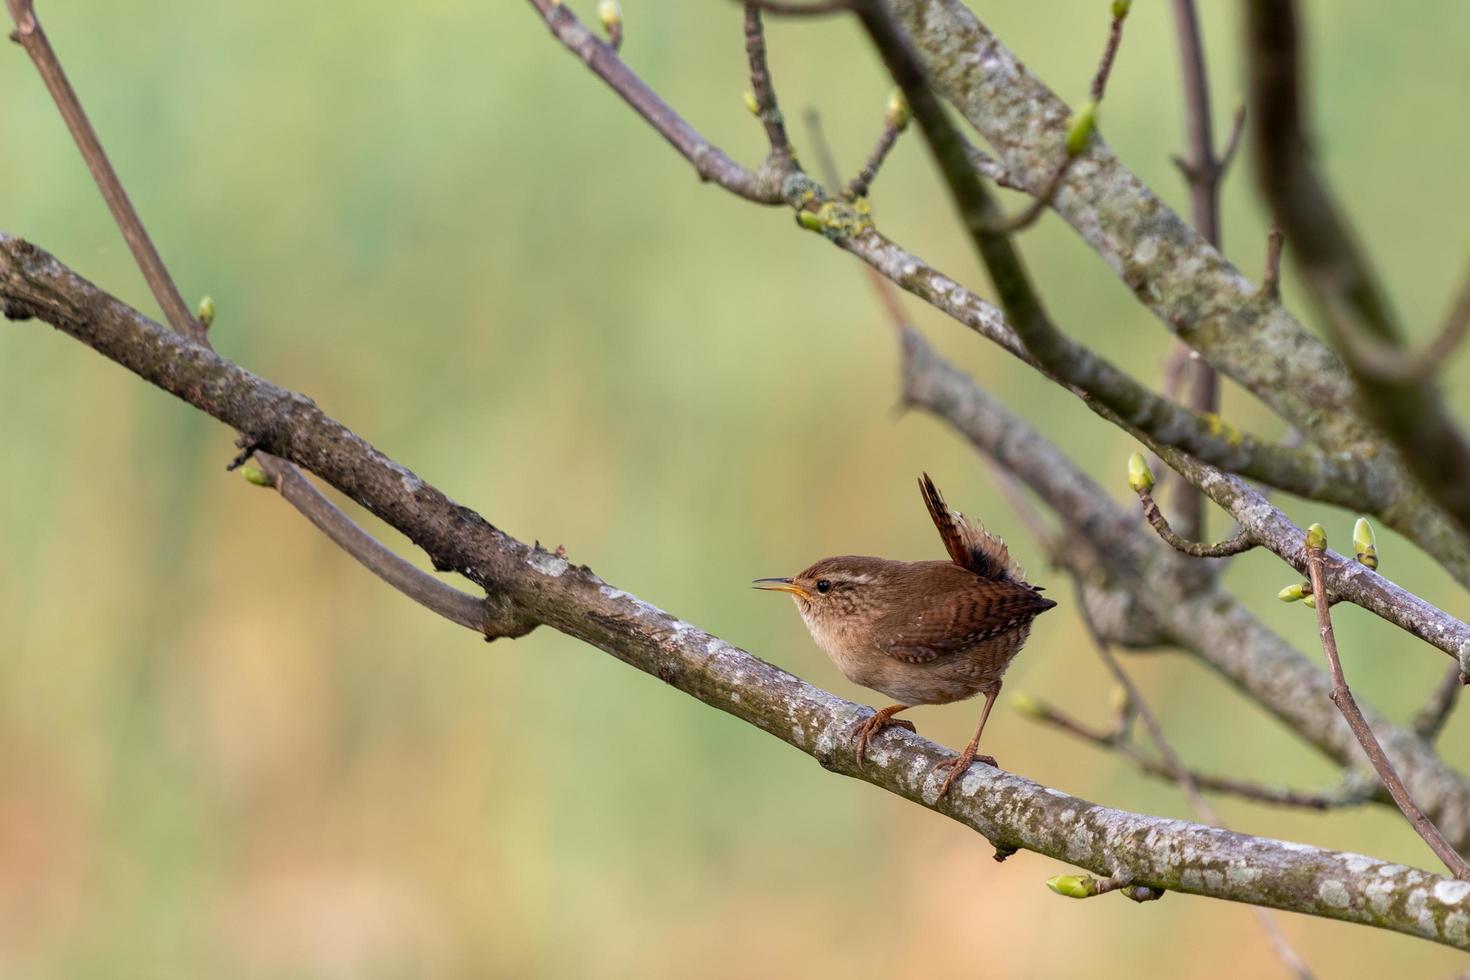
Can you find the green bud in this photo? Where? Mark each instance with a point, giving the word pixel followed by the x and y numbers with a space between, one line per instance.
pixel 752 105
pixel 898 115
pixel 1073 886
pixel 1120 8
pixel 253 473
pixel 1140 477
pixel 1310 600
pixel 811 221
pixel 206 312
pixel 610 12
pixel 1294 593
pixel 1080 128
pixel 1027 706
pixel 1316 538
pixel 1364 544
pixel 1121 700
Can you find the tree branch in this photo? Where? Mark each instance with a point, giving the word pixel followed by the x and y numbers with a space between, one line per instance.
pixel 708 160
pixel 1181 775
pixel 1245 334
pixel 1344 287
pixel 530 586
pixel 1202 173
pixel 1347 579
pixel 767 110
pixel 1343 698
pixel 1348 794
pixel 419 586
pixel 1431 719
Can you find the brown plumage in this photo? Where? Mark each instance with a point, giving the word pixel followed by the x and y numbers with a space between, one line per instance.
pixel 921 632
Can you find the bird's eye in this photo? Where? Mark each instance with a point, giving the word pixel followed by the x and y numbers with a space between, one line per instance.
pixel 824 586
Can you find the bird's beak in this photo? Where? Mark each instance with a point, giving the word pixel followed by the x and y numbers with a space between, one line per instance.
pixel 781 585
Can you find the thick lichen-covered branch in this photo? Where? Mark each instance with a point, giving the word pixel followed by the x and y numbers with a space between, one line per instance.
pixel 1342 283
pixel 529 586
pixel 1241 330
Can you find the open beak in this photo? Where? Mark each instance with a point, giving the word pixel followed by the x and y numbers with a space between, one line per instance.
pixel 781 585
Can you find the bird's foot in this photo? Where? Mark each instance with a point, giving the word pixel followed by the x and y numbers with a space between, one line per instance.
pixel 958 766
pixel 869 727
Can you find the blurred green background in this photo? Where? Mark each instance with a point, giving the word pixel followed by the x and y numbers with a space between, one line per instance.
pixel 226 750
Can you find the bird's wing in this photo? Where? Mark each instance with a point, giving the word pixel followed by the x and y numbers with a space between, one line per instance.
pixel 968 544
pixel 954 621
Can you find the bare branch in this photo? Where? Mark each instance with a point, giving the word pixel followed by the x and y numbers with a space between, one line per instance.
pixel 816 8
pixel 1239 542
pixel 437 596
pixel 1345 795
pixel 1431 719
pixel 1394 365
pixel 29 35
pixel 708 160
pixel 1347 579
pixel 1187 785
pixel 454 605
pixel 1343 698
pixel 1202 172
pixel 764 89
pixel 858 186
pixel 1033 211
pixel 1271 277
pixel 1342 283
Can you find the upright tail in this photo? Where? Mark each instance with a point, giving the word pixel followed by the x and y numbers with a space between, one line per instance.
pixel 968 544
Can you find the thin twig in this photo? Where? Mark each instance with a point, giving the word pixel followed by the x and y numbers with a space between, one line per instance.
pixel 885 291
pixel 708 160
pixel 1348 579
pixel 1271 277
pixel 814 9
pixel 858 186
pixel 763 88
pixel 1232 142
pixel 1431 719
pixel 1187 784
pixel 456 606
pixel 1393 364
pixel 1029 215
pixel 1348 793
pixel 1202 173
pixel 30 36
pixel 1239 542
pixel 1343 698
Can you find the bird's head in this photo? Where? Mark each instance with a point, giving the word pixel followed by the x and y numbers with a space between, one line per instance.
pixel 834 587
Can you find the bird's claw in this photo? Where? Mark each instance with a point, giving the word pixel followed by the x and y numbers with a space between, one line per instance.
pixel 957 767
pixel 869 728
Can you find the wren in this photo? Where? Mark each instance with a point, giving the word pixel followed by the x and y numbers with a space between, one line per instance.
pixel 921 632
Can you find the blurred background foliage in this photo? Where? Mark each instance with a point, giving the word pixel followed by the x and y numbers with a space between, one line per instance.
pixel 228 751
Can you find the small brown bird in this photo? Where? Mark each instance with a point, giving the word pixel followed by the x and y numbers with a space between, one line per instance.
pixel 921 632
